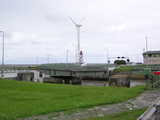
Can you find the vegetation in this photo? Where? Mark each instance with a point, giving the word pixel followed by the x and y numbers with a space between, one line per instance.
pixel 120 62
pixel 73 66
pixel 131 115
pixel 124 69
pixel 140 67
pixel 23 99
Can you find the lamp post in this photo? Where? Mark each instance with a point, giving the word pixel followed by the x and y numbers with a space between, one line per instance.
pixel 2 69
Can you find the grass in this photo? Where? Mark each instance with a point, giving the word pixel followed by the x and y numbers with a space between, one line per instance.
pixel 131 115
pixel 137 68
pixel 124 69
pixel 73 66
pixel 23 99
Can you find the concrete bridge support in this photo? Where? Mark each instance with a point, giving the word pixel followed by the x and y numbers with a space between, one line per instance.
pixel 120 80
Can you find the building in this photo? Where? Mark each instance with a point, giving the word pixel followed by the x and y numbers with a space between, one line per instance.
pixel 151 57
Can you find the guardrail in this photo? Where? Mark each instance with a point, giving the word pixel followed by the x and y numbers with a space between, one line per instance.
pixel 152 113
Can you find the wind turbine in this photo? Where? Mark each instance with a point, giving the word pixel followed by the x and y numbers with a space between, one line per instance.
pixel 78 26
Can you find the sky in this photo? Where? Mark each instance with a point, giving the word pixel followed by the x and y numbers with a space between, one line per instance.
pixel 40 31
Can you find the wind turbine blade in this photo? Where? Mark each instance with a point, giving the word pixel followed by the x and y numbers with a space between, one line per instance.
pixel 82 20
pixel 72 21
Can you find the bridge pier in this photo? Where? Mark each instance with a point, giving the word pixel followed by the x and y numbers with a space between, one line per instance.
pixel 63 80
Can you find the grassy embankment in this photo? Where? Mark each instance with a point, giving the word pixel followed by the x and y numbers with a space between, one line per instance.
pixel 131 115
pixel 23 99
pixel 124 69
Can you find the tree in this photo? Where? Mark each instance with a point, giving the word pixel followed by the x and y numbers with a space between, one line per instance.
pixel 128 60
pixel 120 62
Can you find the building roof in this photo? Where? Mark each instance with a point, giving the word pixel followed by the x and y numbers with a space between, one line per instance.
pixel 152 52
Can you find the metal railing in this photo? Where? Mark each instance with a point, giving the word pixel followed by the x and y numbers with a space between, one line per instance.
pixel 151 112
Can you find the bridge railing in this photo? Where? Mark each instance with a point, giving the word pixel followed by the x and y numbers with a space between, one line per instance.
pixel 152 113
pixel 90 74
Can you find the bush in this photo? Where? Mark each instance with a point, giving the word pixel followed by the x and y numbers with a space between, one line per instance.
pixel 120 62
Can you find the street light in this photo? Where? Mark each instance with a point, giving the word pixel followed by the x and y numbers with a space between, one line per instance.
pixel 2 69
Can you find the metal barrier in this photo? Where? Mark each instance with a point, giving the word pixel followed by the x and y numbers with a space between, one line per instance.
pixel 152 113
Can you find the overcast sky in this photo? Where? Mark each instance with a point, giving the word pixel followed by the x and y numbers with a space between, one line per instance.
pixel 39 31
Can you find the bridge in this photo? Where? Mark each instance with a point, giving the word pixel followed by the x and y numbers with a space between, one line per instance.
pixel 73 76
pixel 76 73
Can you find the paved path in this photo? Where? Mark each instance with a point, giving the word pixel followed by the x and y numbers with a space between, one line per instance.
pixel 144 100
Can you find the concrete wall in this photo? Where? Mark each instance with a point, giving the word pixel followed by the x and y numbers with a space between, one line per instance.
pixel 151 60
pixel 25 76
pixel 65 80
pixel 120 80
pixel 31 75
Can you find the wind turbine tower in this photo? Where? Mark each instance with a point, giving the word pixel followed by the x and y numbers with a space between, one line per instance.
pixel 146 38
pixel 78 26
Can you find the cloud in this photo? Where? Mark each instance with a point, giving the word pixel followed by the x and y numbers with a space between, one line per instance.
pixel 118 28
pixel 22 38
pixel 39 27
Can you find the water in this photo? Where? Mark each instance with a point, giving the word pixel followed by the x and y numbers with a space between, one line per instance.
pixel 12 74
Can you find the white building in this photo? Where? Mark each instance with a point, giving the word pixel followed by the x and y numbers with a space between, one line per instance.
pixel 151 57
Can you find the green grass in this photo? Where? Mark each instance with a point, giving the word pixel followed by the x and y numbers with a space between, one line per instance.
pixel 124 69
pixel 23 99
pixel 73 66
pixel 131 115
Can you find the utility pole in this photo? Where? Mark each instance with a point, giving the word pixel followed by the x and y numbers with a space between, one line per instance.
pixel 108 63
pixel 67 53
pixel 78 44
pixel 146 38
pixel 2 69
pixel 107 68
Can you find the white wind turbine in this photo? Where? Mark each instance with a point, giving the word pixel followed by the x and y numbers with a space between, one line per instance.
pixel 78 26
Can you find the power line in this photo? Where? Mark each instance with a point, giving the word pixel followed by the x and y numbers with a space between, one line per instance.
pixel 146 38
